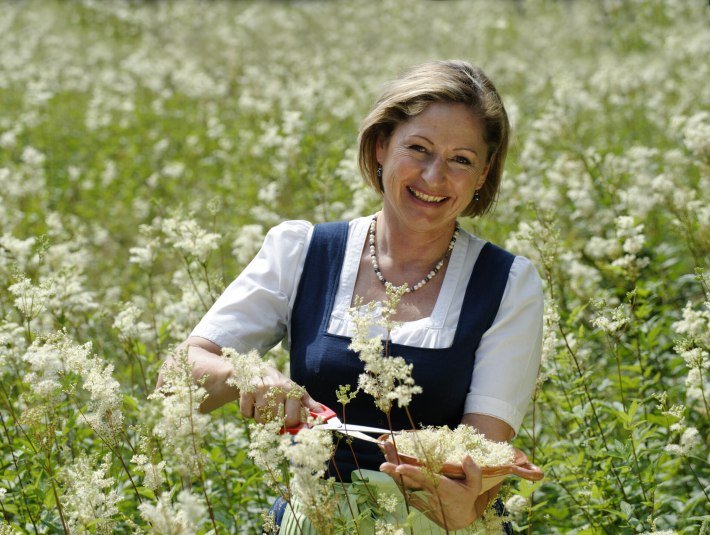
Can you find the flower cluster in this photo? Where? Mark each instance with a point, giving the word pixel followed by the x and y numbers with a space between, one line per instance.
pixel 439 445
pixel 386 378
pixel 90 497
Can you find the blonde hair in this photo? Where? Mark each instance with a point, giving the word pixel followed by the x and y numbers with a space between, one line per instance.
pixel 452 81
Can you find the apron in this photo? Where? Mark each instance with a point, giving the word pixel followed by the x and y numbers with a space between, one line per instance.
pixel 321 361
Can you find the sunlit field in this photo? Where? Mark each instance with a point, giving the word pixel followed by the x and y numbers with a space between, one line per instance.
pixel 147 147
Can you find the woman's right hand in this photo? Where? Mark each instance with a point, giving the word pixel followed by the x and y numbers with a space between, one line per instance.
pixel 273 391
pixel 275 394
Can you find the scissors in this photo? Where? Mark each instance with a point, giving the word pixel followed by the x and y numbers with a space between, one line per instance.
pixel 332 422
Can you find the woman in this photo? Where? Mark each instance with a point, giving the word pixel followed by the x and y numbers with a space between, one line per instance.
pixel 433 146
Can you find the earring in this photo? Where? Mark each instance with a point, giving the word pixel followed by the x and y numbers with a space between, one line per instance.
pixel 476 196
pixel 379 171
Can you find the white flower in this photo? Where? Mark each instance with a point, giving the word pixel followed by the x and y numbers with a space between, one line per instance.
pixel 89 497
pixel 247 243
pixel 613 323
pixel 696 134
pixel 384 528
pixel 31 300
pixel 265 445
pixel 249 368
pixel 599 248
pixel 189 238
pixel 690 439
pixel 128 325
pixel 695 323
pixel 166 518
pixel 386 378
pixel 516 505
pixel 33 157
pixel 181 426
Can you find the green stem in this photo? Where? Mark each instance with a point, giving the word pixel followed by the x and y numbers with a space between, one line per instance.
pixel 197 453
pixel 17 469
pixel 194 285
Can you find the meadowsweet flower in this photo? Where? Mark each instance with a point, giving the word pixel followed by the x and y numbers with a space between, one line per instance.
pixel 695 323
pixel 129 326
pixel 269 525
pixel 249 369
pixel 265 445
pixel 600 248
pixel 438 445
pixel 89 498
pixel 33 157
pixel 697 388
pixel 70 297
pixel 696 134
pixel 152 472
pixel 614 322
pixel 31 299
pixel 51 357
pixel 387 379
pixel 690 439
pixel 182 518
pixel 676 412
pixel 550 339
pixel 14 252
pixel 382 527
pixel 145 254
pixel 247 243
pixel 538 240
pixel 308 454
pixel 181 426
pixel 189 238
pixel 516 505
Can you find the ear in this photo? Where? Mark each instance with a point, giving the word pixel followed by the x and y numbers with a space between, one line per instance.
pixel 482 178
pixel 381 147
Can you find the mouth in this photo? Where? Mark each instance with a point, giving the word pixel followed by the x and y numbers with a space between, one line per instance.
pixel 433 199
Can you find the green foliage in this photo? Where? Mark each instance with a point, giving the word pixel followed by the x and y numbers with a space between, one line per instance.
pixel 124 121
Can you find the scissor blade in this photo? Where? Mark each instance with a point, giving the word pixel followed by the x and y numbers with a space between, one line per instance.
pixel 339 426
pixel 361 436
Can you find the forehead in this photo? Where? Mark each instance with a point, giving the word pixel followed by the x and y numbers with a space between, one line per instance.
pixel 447 122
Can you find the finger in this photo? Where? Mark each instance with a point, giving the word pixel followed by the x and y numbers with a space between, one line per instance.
pixel 246 405
pixel 264 411
pixel 310 403
pixel 391 452
pixel 293 414
pixel 473 473
pixel 404 483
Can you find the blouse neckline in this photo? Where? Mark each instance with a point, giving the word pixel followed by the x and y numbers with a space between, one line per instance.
pixel 357 235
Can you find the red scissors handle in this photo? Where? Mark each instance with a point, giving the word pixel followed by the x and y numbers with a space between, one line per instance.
pixel 326 414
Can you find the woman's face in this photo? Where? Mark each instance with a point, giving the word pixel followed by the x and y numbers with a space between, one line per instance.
pixel 431 167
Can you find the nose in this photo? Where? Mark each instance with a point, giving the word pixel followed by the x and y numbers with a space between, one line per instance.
pixel 434 170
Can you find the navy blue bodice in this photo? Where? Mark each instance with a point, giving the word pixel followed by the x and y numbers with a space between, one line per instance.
pixel 321 361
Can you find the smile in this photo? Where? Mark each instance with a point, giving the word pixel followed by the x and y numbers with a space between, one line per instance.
pixel 424 197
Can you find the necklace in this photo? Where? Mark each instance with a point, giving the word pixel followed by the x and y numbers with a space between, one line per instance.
pixel 430 275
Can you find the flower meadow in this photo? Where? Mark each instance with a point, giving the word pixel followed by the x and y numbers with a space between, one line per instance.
pixel 147 147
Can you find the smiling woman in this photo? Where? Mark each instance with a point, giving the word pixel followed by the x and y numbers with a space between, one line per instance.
pixel 471 314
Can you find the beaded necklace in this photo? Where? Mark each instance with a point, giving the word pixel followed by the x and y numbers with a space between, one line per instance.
pixel 430 275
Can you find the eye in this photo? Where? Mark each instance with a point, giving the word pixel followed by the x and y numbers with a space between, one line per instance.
pixel 462 160
pixel 417 148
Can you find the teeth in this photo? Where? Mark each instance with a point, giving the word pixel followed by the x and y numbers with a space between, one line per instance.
pixel 424 196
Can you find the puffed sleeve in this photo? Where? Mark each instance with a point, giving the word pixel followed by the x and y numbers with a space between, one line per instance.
pixel 508 356
pixel 254 310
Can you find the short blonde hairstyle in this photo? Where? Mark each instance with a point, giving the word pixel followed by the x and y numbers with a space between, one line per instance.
pixel 452 81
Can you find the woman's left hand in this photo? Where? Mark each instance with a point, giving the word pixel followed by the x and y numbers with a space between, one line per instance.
pixel 452 504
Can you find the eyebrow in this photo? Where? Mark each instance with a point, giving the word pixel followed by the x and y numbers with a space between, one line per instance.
pixel 457 148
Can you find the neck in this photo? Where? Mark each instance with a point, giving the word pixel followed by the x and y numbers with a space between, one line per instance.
pixel 408 247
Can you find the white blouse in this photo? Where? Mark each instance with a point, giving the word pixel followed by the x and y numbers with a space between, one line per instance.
pixel 254 312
